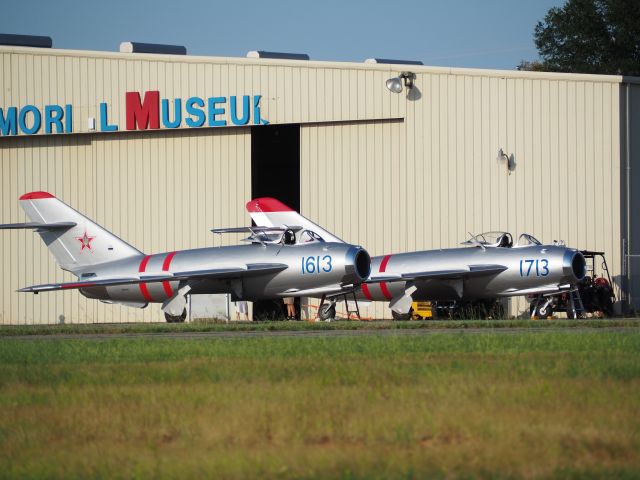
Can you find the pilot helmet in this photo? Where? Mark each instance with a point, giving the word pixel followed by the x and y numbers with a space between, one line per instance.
pixel 289 237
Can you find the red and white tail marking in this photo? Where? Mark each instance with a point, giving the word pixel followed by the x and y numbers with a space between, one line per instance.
pixel 270 212
pixel 77 247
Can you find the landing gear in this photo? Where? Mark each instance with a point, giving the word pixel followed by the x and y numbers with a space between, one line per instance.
pixel 542 308
pixel 176 318
pixel 402 316
pixel 327 312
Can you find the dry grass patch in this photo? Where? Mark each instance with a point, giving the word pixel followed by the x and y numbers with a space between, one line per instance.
pixel 532 406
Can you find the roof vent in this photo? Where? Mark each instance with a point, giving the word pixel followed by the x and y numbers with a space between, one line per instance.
pixel 25 40
pixel 281 55
pixel 393 62
pixel 138 47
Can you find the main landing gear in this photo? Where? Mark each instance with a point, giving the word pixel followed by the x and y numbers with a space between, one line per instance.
pixel 176 318
pixel 327 311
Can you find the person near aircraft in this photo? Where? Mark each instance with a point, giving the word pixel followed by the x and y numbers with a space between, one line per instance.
pixel 242 309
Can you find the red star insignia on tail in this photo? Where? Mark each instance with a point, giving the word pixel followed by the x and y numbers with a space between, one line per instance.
pixel 85 241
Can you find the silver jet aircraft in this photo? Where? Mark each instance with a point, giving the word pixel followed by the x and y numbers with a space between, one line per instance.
pixel 489 267
pixel 272 265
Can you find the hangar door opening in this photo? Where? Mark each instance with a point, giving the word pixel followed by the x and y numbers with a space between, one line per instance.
pixel 275 163
pixel 275 172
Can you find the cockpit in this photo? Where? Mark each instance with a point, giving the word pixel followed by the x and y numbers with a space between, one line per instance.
pixel 501 240
pixel 309 236
pixel 283 235
pixel 289 237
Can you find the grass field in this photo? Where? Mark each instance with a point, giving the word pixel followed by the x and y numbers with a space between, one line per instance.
pixel 533 405
pixel 215 326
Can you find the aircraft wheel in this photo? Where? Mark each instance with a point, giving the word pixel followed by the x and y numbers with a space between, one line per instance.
pixel 545 311
pixel 327 311
pixel 402 316
pixel 176 318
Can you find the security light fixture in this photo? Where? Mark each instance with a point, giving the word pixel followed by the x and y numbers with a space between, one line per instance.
pixel 395 84
pixel 508 160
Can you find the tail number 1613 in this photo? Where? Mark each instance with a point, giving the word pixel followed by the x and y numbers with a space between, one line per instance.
pixel 316 264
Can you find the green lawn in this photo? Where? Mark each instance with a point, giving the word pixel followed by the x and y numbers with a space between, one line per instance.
pixel 534 405
pixel 212 326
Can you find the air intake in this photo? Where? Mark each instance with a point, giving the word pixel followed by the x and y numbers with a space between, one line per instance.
pixel 25 40
pixel 391 61
pixel 280 55
pixel 137 47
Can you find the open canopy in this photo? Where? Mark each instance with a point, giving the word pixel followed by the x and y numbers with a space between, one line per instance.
pixel 501 239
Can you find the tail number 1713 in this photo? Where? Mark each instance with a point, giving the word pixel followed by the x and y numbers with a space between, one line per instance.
pixel 316 264
pixel 527 267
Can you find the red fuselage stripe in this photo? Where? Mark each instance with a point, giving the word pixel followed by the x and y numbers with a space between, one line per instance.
pixel 143 286
pixel 365 290
pixel 383 285
pixel 165 268
pixel 385 290
pixel 383 263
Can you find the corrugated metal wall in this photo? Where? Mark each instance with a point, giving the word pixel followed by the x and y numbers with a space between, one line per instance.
pixel 292 92
pixel 158 191
pixel 390 171
pixel 427 182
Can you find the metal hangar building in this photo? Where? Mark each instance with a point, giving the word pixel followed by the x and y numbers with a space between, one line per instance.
pixel 160 148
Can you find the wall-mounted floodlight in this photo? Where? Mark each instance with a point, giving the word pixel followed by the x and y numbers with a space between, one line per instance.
pixel 509 160
pixel 395 84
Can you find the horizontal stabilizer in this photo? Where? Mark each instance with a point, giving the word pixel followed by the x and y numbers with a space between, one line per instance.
pixel 250 270
pixel 38 226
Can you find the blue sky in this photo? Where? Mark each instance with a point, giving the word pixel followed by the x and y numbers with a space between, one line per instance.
pixel 457 33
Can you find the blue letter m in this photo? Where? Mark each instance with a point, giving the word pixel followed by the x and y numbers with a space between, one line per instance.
pixel 9 124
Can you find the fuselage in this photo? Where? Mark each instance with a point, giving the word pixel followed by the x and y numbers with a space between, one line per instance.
pixel 531 269
pixel 308 266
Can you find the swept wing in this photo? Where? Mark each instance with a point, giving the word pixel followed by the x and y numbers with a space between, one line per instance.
pixel 471 271
pixel 249 270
